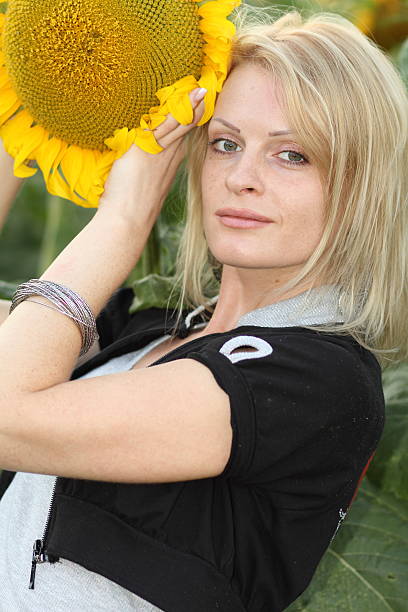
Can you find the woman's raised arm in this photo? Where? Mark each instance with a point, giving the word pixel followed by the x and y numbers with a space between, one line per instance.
pixel 53 425
pixel 9 184
pixel 4 310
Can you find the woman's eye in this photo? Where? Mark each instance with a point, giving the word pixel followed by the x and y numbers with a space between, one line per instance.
pixel 223 145
pixel 294 158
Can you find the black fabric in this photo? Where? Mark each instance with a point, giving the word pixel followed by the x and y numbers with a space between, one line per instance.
pixel 114 317
pixel 306 419
pixel 118 330
pixel 116 322
pixel 6 479
pixel 189 582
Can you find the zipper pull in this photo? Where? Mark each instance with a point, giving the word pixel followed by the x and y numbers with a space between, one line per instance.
pixel 38 557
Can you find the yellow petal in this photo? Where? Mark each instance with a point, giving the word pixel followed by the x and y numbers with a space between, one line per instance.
pixel 212 28
pixel 9 113
pixel 181 109
pixel 209 82
pixel 155 120
pixel 145 140
pixel 23 171
pixel 80 174
pixel 103 165
pixel 120 141
pixel 8 98
pixel 58 186
pixel 21 142
pixel 105 161
pixel 218 8
pixel 17 125
pixel 71 165
pixel 87 176
pixel 4 78
pixel 47 156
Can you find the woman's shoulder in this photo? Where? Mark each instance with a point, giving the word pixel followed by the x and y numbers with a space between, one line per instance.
pixel 302 345
pixel 326 375
pixel 295 349
pixel 313 396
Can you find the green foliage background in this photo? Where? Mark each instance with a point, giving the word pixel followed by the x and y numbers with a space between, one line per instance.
pixel 366 567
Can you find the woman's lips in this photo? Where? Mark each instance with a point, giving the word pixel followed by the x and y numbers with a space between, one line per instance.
pixel 241 218
pixel 241 222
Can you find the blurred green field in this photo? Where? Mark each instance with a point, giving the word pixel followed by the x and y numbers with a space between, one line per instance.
pixel 40 226
pixel 366 567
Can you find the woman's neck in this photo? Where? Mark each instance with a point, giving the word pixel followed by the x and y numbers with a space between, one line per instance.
pixel 245 290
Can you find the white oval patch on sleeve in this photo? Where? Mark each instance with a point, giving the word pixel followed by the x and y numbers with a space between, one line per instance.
pixel 263 348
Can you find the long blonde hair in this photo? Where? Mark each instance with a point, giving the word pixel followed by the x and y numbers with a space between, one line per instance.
pixel 349 106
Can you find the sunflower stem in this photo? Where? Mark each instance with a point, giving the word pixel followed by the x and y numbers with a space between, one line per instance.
pixel 48 249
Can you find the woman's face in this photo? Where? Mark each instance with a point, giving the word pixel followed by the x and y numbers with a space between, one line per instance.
pixel 254 163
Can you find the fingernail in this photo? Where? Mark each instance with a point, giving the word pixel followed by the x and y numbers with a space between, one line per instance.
pixel 199 94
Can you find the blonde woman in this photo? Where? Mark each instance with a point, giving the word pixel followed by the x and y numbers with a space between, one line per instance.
pixel 206 461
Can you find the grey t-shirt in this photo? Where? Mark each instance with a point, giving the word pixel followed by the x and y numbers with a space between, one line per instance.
pixel 67 586
pixel 63 586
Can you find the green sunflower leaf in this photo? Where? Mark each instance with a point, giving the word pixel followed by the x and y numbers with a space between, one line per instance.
pixel 403 61
pixel 389 469
pixel 7 290
pixel 153 291
pixel 366 567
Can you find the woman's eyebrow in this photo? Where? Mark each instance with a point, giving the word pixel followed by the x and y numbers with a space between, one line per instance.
pixel 228 124
pixel 281 133
pixel 235 129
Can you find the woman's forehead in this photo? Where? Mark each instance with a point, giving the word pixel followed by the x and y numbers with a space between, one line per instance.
pixel 251 94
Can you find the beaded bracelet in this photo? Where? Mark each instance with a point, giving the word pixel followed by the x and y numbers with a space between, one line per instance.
pixel 66 301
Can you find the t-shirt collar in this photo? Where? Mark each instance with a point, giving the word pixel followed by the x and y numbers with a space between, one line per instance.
pixel 316 306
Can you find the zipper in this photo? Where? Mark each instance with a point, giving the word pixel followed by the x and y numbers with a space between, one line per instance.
pixel 39 554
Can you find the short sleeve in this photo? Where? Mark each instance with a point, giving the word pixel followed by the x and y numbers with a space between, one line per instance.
pixel 307 411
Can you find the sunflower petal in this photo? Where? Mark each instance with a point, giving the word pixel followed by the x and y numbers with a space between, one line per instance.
pixel 33 139
pixel 120 141
pixel 18 144
pixel 218 8
pixel 8 99
pixel 57 185
pixel 72 164
pixel 217 33
pixel 9 113
pixel 79 174
pixel 145 140
pixel 47 156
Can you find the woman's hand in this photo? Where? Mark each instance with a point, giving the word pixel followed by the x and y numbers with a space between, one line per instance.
pixel 9 184
pixel 94 265
pixel 139 182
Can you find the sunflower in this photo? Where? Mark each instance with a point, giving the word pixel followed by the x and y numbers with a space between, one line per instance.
pixel 80 82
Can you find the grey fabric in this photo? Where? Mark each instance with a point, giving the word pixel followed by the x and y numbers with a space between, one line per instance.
pixel 315 307
pixel 66 586
pixel 63 586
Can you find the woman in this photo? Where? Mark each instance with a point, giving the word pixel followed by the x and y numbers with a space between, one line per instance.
pixel 216 479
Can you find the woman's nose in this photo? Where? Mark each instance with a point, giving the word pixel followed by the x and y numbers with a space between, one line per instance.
pixel 243 176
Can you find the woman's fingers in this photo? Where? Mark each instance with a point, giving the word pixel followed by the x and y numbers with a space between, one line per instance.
pixel 150 176
pixel 171 130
